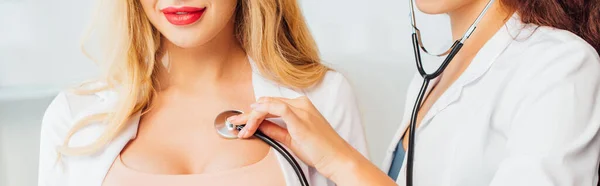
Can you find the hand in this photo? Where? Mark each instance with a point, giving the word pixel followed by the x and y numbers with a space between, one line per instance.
pixel 308 133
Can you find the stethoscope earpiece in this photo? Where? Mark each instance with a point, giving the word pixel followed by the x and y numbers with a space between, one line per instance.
pixel 224 128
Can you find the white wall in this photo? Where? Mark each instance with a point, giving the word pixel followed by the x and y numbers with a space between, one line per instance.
pixel 369 41
pixel 39 42
pixel 19 141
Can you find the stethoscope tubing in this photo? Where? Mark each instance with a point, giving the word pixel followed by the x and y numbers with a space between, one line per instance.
pixel 417 105
pixel 427 77
pixel 286 154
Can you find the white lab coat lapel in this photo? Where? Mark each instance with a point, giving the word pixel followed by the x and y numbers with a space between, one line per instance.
pixel 266 88
pixel 480 64
pixel 91 170
pixel 478 67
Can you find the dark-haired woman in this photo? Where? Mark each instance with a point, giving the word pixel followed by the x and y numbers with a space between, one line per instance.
pixel 518 106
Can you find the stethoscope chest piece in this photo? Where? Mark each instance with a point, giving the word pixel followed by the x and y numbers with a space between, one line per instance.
pixel 225 128
pixel 230 131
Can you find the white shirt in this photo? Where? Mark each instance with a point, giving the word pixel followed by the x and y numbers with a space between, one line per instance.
pixel 333 97
pixel 526 112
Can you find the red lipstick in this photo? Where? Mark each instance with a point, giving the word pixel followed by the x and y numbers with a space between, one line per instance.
pixel 182 15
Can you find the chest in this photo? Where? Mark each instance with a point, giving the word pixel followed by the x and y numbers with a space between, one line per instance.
pixel 177 136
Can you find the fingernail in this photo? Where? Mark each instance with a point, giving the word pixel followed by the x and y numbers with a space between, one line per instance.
pixel 254 105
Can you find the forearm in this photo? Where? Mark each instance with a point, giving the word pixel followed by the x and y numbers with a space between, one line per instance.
pixel 354 169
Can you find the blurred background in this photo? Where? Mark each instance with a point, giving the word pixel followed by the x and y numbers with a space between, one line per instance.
pixel 368 41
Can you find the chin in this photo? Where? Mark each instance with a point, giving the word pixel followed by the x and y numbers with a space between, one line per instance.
pixel 183 42
pixel 187 39
pixel 433 6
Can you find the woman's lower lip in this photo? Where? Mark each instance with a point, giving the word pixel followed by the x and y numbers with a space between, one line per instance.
pixel 183 19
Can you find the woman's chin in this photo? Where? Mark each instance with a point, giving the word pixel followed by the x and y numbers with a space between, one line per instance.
pixel 186 41
pixel 432 7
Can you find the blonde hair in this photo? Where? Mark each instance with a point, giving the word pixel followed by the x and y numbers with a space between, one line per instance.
pixel 272 32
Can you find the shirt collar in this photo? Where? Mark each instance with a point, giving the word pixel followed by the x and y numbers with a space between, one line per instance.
pixel 481 63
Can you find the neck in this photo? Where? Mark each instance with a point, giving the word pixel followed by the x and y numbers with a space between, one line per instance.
pixel 462 18
pixel 216 60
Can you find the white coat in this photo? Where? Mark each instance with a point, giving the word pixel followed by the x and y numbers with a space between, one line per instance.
pixel 526 112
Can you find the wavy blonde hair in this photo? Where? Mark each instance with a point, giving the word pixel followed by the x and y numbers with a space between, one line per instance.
pixel 272 32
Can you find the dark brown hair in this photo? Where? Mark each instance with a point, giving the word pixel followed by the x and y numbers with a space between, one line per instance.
pixel 582 17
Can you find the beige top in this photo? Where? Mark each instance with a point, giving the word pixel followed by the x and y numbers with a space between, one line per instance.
pixel 266 172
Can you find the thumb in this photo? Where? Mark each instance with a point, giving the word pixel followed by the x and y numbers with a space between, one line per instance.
pixel 276 132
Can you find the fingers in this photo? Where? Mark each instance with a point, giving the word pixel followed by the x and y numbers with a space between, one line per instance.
pixel 275 106
pixel 259 112
pixel 243 118
pixel 276 132
pixel 251 121
pixel 269 107
pixel 254 120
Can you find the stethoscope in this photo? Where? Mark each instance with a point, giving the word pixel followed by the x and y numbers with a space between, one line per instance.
pixel 417 43
pixel 230 131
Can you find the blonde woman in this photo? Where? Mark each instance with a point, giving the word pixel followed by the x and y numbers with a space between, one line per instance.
pixel 173 66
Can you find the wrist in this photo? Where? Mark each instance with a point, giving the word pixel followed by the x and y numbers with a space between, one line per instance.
pixel 342 165
pixel 346 170
pixel 351 168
